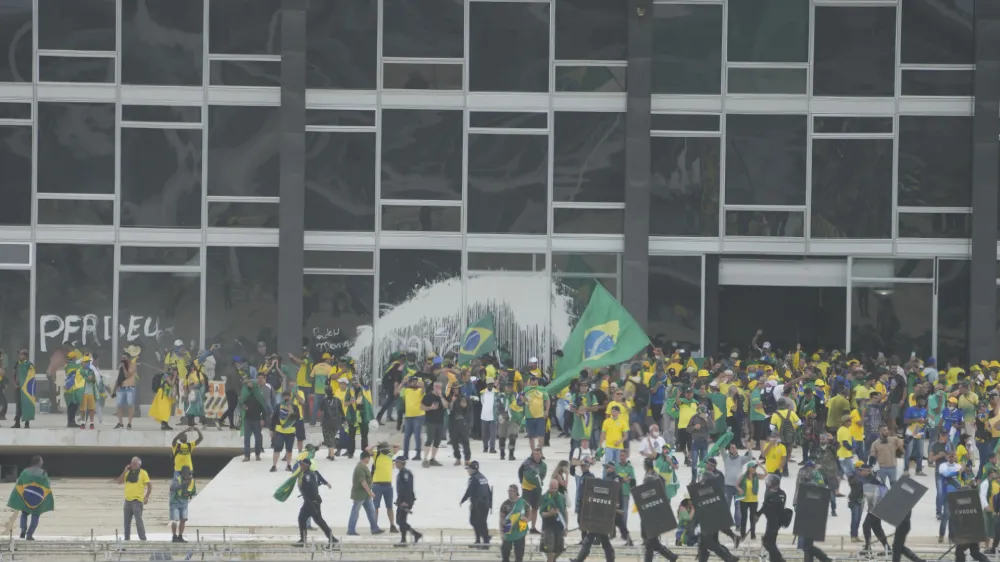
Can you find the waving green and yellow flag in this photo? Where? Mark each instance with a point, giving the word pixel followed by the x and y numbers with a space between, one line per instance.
pixel 478 340
pixel 26 374
pixel 32 493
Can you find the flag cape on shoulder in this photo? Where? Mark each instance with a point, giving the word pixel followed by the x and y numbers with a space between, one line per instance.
pixel 26 374
pixel 288 486
pixel 363 413
pixel 479 339
pixel 73 387
pixel 245 394
pixel 163 404
pixel 515 526
pixel 32 493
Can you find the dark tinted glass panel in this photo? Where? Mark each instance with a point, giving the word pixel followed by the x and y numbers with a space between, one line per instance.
pixel 508 184
pixel 508 120
pixel 406 271
pixel 340 181
pixel 421 154
pixel 246 28
pixel 63 212
pixel 337 309
pixel 887 269
pixel 589 157
pixel 508 47
pixel 243 151
pixel 585 263
pixel 892 319
pixel 14 110
pixel 687 49
pixel 937 83
pixel 162 42
pixel 764 223
pixel 73 302
pixel 15 254
pixel 675 301
pixel 815 317
pixel 938 32
pixel 591 30
pixel 685 187
pixel 953 310
pixel 935 225
pixel 852 188
pixel 76 147
pixel 769 31
pixel 156 255
pixel 852 124
pixel 578 291
pixel 422 219
pixel 682 122
pixel 766 159
pixel 80 25
pixel 342 44
pixel 855 51
pixel 322 259
pixel 161 113
pixel 767 81
pixel 405 76
pixel 590 79
pixel 156 309
pixel 935 161
pixel 15 181
pixel 242 296
pixel 243 215
pixel 340 117
pixel 588 221
pixel 76 69
pixel 161 178
pixel 500 262
pixel 423 28
pixel 16 37
pixel 15 321
pixel 245 73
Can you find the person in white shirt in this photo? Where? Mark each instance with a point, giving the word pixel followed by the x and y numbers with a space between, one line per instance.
pixel 652 443
pixel 487 419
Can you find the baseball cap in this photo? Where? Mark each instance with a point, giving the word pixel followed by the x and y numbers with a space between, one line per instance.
pixel 533 360
pixel 437 361
pixel 711 461
pixel 400 457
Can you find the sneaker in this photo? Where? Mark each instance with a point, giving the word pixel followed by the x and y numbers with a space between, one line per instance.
pixel 417 536
pixel 91 426
pixel 458 462
pixel 129 426
pixel 425 464
pixel 257 456
pixel 393 529
pixel 378 531
pixel 175 539
pixel 855 539
pixel 273 469
pixel 921 473
pixel 119 425
pixel 288 468
pixel 493 451
pixel 246 458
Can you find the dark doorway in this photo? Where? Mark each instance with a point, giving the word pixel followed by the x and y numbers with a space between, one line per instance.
pixel 813 316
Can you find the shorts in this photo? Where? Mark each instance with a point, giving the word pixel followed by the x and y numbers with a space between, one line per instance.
pixel 535 427
pixel 88 403
pixel 300 430
pixel 760 430
pixel 283 441
pixel 179 511
pixel 126 397
pixel 532 498
pixel 435 434
pixel 553 540
pixel 893 413
pixel 383 493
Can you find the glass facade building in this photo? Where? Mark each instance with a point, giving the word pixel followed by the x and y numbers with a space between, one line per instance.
pixel 367 176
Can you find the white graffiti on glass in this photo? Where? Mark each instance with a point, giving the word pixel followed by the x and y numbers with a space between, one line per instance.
pixel 324 339
pixel 90 329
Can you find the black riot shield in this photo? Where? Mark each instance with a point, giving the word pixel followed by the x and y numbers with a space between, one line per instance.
pixel 598 505
pixel 966 514
pixel 899 501
pixel 711 510
pixel 811 511
pixel 654 509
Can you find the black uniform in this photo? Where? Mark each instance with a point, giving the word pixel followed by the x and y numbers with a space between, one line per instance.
pixel 480 499
pixel 405 498
pixel 773 508
pixel 653 544
pixel 309 484
pixel 718 481
pixel 899 542
pixel 590 538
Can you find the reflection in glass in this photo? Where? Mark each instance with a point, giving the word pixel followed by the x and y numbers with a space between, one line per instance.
pixel 15 110
pixel 243 151
pixel 76 147
pixel 337 310
pixel 684 186
pixel 76 69
pixel 261 74
pixel 508 119
pixel 242 215
pixel 242 300
pixel 15 183
pixel 687 49
pixel 333 259
pixel 936 32
pixel 826 124
pixel 422 154
pixel 892 318
pixel 73 212
pixel 675 301
pixel 80 25
pixel 766 159
pixel 340 182
pixel 423 28
pixel 889 268
pixel 585 263
pixel 160 255
pixel 518 303
pixel 15 254
pixel 768 31
pixel 589 157
pixel 418 76
pixel 816 317
pixel 953 310
pixel 508 47
pixel 571 298
pixel 588 221
pixel 767 81
pixel 162 42
pixel 935 161
pixel 852 188
pixel 591 30
pixel 935 225
pixel 855 51
pixel 162 113
pixel 342 44
pixel 16 36
pixel 421 219
pixel 508 185
pixel 937 83
pixel 491 261
pixel 155 309
pixel 244 28
pixel 765 223
pixel 590 79
pixel 15 319
pixel 684 122
pixel 161 178
pixel 340 117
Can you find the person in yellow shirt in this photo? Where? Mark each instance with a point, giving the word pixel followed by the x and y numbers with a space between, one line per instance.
pixel 687 407
pixel 537 409
pixel 382 454
pixel 138 487
pixel 775 456
pixel 305 364
pixel 413 423
pixel 179 358
pixel 845 445
pixel 181 450
pixel 614 431
pixel 283 424
pixel 315 391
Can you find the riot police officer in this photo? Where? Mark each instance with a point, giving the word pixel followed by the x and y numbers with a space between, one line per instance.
pixel 590 538
pixel 480 497
pixel 775 511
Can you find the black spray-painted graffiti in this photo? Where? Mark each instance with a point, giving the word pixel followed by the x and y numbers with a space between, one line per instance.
pixel 93 330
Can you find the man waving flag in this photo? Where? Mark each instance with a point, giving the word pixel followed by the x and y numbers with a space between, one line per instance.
pixel 478 340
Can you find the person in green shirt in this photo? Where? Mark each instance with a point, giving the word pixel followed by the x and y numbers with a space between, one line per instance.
pixel 513 525
pixel 553 511
pixel 511 419
pixel 758 418
pixel 361 495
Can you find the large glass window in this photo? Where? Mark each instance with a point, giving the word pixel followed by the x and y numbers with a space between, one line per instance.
pixel 675 301
pixel 685 186
pixel 508 47
pixel 340 181
pixel 855 51
pixel 953 310
pixel 687 49
pixel 155 309
pixel 768 31
pixel 572 294
pixel 79 25
pixel 589 157
pixel 76 147
pixel 342 44
pixel 242 296
pixel 244 148
pixel 892 318
pixel 423 28
pixel 591 30
pixel 421 154
pixel 96 70
pixel 936 32
pixel 162 42
pixel 161 178
pixel 935 161
pixel 508 185
pixel 337 315
pixel 15 317
pixel 15 181
pixel 766 159
pixel 852 188
pixel 16 38
pixel 518 303
pixel 244 28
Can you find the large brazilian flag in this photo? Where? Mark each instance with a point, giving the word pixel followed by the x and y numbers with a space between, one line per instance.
pixel 32 493
pixel 26 374
pixel 478 340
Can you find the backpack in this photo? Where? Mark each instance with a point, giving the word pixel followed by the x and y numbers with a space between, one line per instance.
pixel 786 430
pixel 157 382
pixel 768 400
pixel 641 397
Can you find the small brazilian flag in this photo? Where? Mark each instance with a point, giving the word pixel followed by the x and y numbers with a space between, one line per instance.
pixel 479 340
pixel 32 494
